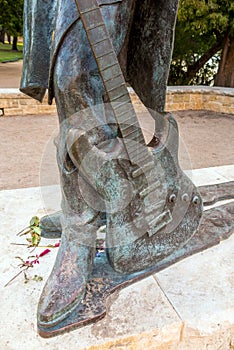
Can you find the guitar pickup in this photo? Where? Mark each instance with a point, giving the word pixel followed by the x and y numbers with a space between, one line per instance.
pixel 159 222
pixel 150 188
pixel 152 207
pixel 143 169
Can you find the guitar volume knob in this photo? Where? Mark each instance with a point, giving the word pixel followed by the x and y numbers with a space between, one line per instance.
pixel 185 197
pixel 172 198
pixel 196 200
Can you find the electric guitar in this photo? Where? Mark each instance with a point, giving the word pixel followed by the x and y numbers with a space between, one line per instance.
pixel 166 208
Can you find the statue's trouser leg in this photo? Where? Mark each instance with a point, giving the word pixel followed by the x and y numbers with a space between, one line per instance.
pixel 66 285
pixel 76 85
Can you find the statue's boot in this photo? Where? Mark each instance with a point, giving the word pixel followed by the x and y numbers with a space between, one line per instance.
pixel 66 285
pixel 51 227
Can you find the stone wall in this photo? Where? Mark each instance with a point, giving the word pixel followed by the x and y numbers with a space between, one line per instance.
pixel 13 102
pixel 215 99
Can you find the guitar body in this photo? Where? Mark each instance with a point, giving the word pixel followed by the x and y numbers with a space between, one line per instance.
pixel 176 210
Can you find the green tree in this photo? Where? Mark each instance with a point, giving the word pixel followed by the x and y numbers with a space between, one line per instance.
pixel 11 18
pixel 204 32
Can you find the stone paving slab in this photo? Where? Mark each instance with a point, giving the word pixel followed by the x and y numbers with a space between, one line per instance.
pixel 187 306
pixel 209 176
pixel 201 290
pixel 136 315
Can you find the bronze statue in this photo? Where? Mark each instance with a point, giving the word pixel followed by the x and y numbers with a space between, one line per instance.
pixel 89 49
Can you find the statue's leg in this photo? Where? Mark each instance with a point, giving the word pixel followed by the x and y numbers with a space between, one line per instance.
pixel 77 86
pixel 74 90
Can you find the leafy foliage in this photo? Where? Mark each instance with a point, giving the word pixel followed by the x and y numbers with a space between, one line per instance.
pixel 11 16
pixel 34 230
pixel 33 241
pixel 201 29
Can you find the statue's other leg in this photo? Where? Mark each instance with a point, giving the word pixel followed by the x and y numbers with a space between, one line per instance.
pixel 51 227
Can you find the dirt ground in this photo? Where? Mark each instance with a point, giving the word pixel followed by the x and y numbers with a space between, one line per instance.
pixel 10 74
pixel 28 153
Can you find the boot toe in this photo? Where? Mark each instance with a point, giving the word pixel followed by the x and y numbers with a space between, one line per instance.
pixel 50 225
pixel 58 299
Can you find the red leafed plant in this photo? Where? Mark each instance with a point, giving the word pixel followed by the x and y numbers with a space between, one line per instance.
pixel 33 241
pixel 26 264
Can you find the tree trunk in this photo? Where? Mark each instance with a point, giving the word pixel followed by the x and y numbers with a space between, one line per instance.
pixel 14 44
pixel 194 69
pixel 9 38
pixel 225 75
pixel 2 35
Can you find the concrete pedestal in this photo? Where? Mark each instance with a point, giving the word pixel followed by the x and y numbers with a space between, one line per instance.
pixel 189 305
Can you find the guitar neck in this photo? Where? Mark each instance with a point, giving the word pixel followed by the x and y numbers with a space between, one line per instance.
pixel 113 80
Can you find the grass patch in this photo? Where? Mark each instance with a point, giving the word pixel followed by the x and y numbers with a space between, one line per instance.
pixel 7 55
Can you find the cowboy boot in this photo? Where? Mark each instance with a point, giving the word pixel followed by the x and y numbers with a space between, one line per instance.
pixel 51 227
pixel 65 289
pixel 66 286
